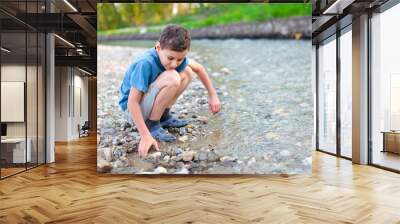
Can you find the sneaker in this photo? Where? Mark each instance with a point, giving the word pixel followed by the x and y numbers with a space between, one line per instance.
pixel 174 123
pixel 162 135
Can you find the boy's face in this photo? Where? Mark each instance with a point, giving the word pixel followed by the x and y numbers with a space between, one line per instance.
pixel 170 59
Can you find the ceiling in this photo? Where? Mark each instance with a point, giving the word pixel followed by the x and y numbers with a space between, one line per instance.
pixel 330 15
pixel 74 22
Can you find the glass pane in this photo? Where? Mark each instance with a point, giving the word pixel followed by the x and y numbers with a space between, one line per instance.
pixel 41 99
pixel 31 97
pixel 386 89
pixel 346 93
pixel 327 96
pixel 13 86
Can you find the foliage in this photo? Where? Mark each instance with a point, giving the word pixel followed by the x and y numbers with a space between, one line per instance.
pixel 124 18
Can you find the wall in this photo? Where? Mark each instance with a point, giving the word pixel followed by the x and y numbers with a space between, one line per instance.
pixel 71 102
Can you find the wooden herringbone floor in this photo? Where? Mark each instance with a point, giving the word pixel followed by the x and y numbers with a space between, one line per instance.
pixel 70 191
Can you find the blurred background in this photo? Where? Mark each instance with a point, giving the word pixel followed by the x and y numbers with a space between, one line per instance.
pixel 123 18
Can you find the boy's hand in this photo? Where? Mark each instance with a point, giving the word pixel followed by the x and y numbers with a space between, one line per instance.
pixel 145 144
pixel 214 104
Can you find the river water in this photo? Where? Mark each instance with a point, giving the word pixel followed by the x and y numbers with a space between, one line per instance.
pixel 267 112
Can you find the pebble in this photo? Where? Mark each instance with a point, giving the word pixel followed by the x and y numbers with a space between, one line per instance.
pixel 183 138
pixel 180 164
pixel 251 161
pixel 117 141
pixel 183 170
pixel 188 156
pixel 201 101
pixel 212 156
pixel 117 163
pixel 156 155
pixel 271 136
pixel 226 71
pixel 285 152
pixel 160 170
pixel 103 166
pixel 166 158
pixel 182 131
pixel 201 156
pixel 107 154
pixel 178 151
pixel 202 119
pixel 118 152
pixel 227 159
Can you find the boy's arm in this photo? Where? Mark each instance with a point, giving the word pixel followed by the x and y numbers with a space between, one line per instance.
pixel 146 140
pixel 201 72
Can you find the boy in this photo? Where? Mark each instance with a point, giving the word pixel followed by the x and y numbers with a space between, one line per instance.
pixel 153 83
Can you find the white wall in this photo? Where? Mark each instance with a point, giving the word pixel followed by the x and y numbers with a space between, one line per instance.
pixel 70 83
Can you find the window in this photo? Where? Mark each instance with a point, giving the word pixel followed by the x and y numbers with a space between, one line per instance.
pixel 327 96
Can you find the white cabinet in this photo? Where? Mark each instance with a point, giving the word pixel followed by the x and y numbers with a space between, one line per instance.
pixel 16 147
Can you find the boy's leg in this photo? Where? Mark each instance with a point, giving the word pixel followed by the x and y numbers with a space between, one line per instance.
pixel 167 85
pixel 186 78
pixel 167 120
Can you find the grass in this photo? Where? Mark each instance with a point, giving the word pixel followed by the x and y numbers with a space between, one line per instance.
pixel 223 14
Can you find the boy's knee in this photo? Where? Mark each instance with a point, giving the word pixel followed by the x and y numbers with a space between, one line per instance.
pixel 172 78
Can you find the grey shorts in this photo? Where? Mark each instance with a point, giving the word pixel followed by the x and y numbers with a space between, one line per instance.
pixel 146 105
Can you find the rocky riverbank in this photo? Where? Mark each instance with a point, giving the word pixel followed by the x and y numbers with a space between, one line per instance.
pixel 292 28
pixel 117 148
pixel 253 134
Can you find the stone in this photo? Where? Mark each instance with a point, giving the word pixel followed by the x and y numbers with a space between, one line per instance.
pixel 183 170
pixel 188 156
pixel 202 101
pixel 166 158
pixel 226 71
pixel 180 164
pixel 267 158
pixel 202 119
pixel 189 130
pixel 227 159
pixel 212 156
pixel 156 155
pixel 178 151
pixel 126 125
pixel 271 136
pixel 107 154
pixel 117 164
pixel 118 152
pixel 183 138
pixel 182 131
pixel 285 152
pixel 132 147
pixel 216 74
pixel 128 138
pixel 117 141
pixel 177 158
pixel 201 156
pixel 160 170
pixel 251 161
pixel 103 166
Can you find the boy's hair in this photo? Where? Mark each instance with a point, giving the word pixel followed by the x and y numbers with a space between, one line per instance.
pixel 175 37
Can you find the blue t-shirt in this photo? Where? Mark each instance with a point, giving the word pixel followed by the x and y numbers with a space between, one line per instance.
pixel 141 73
